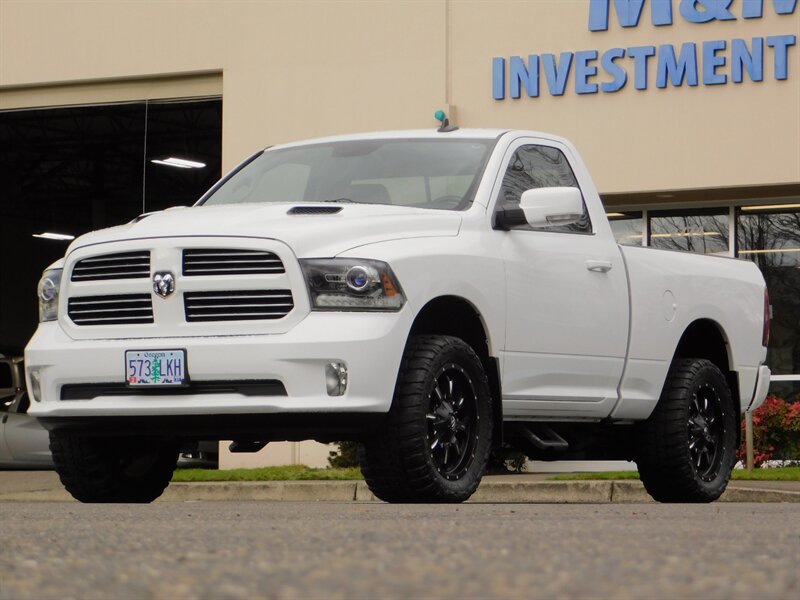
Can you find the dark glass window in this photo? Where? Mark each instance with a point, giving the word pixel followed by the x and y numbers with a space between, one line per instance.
pixel 534 167
pixel 71 170
pixel 772 241
pixel 628 227
pixel 7 391
pixel 703 232
pixel 787 390
pixel 6 381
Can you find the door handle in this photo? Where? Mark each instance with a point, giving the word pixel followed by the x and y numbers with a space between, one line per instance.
pixel 599 266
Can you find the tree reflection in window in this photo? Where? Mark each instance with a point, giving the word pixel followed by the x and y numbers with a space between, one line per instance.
pixel 627 227
pixel 534 167
pixel 700 233
pixel 772 241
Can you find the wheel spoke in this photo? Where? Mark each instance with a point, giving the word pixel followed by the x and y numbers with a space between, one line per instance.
pixel 705 457
pixel 438 392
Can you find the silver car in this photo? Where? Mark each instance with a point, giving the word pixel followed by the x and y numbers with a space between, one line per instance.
pixel 24 444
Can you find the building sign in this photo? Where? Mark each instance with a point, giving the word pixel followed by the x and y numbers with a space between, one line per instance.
pixel 715 62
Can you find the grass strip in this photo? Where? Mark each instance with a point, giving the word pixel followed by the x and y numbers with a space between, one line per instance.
pixel 615 475
pixel 771 474
pixel 284 473
pixel 304 473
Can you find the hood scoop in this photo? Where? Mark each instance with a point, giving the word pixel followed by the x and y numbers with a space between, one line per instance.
pixel 314 210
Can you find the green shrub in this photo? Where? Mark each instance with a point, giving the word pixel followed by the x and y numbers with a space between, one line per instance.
pixel 776 432
pixel 507 460
pixel 345 457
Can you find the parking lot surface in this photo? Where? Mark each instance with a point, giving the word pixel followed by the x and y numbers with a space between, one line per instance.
pixel 352 550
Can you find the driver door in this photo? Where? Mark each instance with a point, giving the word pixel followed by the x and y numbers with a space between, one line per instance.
pixel 566 300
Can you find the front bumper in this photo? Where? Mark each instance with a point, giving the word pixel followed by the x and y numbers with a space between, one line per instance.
pixel 370 344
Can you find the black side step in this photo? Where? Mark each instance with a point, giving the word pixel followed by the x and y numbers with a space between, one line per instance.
pixel 540 436
pixel 246 446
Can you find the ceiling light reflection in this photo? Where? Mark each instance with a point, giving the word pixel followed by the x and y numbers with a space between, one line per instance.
pixel 62 237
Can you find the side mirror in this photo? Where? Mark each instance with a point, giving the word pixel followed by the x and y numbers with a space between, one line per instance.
pixel 552 206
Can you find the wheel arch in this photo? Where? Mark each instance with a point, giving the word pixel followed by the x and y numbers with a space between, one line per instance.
pixel 458 317
pixel 706 338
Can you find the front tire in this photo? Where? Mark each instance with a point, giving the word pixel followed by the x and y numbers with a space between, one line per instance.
pixel 687 448
pixel 438 435
pixel 113 470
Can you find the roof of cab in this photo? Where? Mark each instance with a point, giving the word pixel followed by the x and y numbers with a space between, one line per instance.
pixel 487 134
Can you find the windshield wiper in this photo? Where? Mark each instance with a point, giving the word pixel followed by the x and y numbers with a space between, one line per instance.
pixel 342 200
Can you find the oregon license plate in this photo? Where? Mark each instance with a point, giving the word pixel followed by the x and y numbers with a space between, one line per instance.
pixel 155 367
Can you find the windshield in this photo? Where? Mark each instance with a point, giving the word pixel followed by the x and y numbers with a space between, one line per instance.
pixel 439 174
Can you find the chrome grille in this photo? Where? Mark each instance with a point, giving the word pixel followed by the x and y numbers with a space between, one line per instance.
pixel 212 261
pixel 124 265
pixel 111 310
pixel 239 305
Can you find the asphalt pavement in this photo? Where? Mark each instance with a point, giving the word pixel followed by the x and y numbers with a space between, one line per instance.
pixel 370 550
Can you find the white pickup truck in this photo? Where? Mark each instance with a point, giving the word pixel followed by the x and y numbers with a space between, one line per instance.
pixel 431 294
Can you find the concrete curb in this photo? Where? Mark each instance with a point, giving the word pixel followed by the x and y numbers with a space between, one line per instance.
pixel 534 492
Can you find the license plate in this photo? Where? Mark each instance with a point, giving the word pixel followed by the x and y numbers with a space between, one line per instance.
pixel 155 367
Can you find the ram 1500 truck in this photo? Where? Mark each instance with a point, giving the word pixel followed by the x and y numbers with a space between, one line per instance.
pixel 430 294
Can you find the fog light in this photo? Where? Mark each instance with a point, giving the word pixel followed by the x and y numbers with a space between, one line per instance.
pixel 35 384
pixel 336 378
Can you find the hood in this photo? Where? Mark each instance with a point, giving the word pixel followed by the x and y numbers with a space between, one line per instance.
pixel 308 235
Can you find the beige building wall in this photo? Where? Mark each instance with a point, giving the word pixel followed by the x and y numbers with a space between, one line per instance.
pixel 297 69
pixel 309 453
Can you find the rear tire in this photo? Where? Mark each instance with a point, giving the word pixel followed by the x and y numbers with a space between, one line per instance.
pixel 110 470
pixel 438 435
pixel 687 448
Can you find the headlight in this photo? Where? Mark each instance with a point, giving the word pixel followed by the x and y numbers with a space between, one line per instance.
pixel 49 285
pixel 351 284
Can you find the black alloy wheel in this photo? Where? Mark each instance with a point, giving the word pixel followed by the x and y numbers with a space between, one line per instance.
pixel 686 449
pixel 452 421
pixel 706 431
pixel 434 446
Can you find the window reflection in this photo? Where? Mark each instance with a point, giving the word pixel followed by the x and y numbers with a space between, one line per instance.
pixel 628 228
pixel 772 241
pixel 703 233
